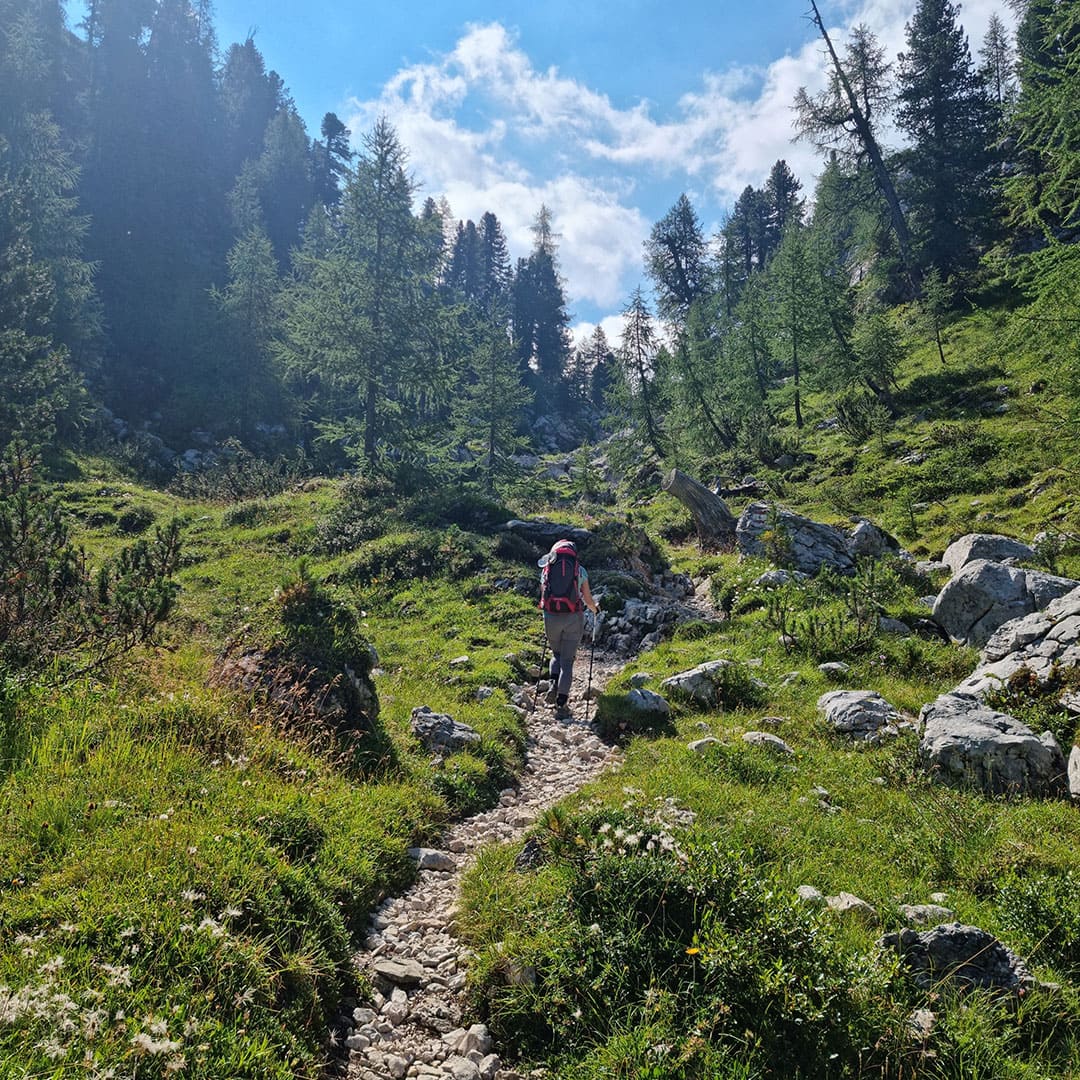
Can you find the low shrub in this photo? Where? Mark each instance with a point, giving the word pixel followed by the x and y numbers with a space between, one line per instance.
pixel 648 914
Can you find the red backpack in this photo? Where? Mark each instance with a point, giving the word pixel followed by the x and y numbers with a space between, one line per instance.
pixel 559 583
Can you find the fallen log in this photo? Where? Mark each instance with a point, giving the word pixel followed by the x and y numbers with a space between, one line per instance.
pixel 715 523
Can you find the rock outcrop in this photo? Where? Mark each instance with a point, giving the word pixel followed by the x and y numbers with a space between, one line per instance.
pixel 1037 641
pixel 965 956
pixel 988 546
pixel 985 595
pixel 807 545
pixel 968 743
pixel 440 733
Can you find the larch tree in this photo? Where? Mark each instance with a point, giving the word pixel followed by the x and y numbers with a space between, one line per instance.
pixel 843 117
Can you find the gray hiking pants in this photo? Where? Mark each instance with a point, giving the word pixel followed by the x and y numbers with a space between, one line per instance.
pixel 564 634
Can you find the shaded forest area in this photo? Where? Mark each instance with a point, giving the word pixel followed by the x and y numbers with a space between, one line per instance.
pixel 182 264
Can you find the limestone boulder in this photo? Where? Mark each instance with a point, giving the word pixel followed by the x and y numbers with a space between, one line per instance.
pixel 989 546
pixel 1038 641
pixel 966 742
pixel 809 544
pixel 702 685
pixel 440 733
pixel 860 714
pixel 985 595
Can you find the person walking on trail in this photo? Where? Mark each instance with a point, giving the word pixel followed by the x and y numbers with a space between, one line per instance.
pixel 564 596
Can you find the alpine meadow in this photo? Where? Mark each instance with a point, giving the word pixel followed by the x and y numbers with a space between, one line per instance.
pixel 309 768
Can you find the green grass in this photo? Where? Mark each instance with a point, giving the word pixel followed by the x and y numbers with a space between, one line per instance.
pixel 750 982
pixel 182 879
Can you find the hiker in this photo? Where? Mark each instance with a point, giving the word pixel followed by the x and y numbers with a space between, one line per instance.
pixel 564 596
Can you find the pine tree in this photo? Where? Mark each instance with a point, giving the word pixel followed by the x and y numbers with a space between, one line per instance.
pixel 47 302
pixel 945 111
pixel 795 306
pixel 783 205
pixel 540 319
pixel 676 259
pixel 634 393
pixel 1044 194
pixel 844 118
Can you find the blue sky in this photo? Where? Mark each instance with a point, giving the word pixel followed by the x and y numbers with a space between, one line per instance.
pixel 603 111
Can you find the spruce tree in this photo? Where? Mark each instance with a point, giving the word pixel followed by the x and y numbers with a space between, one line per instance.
pixel 946 113
pixel 676 260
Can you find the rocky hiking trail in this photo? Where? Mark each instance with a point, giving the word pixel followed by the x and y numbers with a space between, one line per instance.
pixel 417 1024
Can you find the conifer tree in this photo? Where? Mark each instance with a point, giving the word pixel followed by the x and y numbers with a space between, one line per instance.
pixel 676 260
pixel 634 393
pixel 944 110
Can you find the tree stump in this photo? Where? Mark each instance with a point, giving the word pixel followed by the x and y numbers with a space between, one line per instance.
pixel 714 521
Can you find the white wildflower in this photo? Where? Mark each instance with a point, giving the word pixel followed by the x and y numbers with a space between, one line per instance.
pixel 52 966
pixel 118 975
pixel 175 1065
pixel 129 931
pixel 192 896
pixel 212 927
pixel 232 913
pixel 146 1044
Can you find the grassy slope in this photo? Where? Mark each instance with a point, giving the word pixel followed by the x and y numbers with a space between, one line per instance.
pixel 180 883
pixel 882 832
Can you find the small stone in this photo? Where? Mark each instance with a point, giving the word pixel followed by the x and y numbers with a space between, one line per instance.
pixel 926 914
pixel 834 669
pixel 699 746
pixel 809 895
pixel 400 972
pixel 846 903
pixel 769 742
pixel 431 859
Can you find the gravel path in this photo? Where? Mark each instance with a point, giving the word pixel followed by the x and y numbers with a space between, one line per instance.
pixel 416 1025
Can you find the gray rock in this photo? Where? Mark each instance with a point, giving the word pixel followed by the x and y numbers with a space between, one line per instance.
pixel 809 895
pixel 862 714
pixel 431 859
pixel 400 972
pixel 926 914
pixel 965 956
pixel 769 742
pixel 868 541
pixel 702 685
pixel 985 595
pixel 894 626
pixel 989 546
pixel 699 746
pixel 441 733
pixel 1074 772
pixel 834 668
pixel 639 679
pixel 810 545
pixel 849 904
pixel 929 568
pixel 648 701
pixel 968 743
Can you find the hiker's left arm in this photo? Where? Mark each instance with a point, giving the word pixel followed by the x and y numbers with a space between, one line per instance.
pixel 586 595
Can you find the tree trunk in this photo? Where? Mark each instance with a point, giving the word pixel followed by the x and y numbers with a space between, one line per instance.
pixel 715 522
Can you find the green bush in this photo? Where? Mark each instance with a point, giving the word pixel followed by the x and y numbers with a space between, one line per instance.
pixel 55 611
pixel 1043 910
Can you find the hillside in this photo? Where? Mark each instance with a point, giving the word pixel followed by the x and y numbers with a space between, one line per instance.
pixel 190 856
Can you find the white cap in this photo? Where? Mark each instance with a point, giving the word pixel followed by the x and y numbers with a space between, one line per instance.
pixel 558 546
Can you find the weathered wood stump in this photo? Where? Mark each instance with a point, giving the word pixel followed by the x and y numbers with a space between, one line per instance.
pixel 715 523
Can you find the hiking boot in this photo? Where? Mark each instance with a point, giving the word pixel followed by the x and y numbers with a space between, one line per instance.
pixel 552 696
pixel 562 712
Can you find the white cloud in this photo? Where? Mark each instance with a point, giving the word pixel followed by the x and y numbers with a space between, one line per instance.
pixel 489 130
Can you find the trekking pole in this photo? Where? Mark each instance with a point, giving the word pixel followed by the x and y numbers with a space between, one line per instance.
pixel 592 653
pixel 536 688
